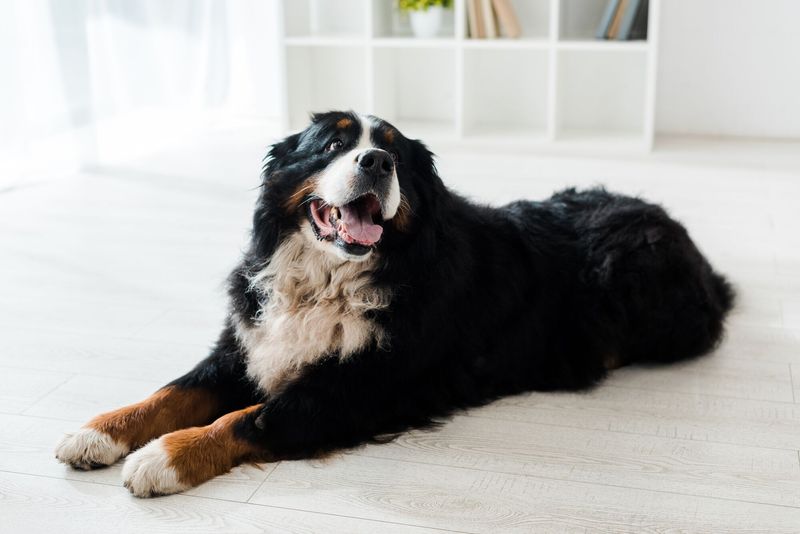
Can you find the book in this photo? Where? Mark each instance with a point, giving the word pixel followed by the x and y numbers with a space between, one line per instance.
pixel 472 19
pixel 639 30
pixel 614 28
pixel 489 22
pixel 507 18
pixel 475 16
pixel 605 21
pixel 628 18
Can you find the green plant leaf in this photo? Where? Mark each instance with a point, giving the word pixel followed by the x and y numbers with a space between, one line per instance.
pixel 422 5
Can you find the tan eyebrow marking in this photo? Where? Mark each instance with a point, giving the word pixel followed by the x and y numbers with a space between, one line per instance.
pixel 388 135
pixel 344 123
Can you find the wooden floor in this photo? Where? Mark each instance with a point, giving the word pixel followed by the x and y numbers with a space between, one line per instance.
pixel 111 285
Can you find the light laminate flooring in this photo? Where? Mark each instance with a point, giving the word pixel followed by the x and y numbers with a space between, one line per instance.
pixel 111 284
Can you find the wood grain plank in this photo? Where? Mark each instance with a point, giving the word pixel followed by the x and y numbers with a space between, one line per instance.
pixel 791 311
pixel 656 413
pixel 769 344
pixel 712 375
pixel 21 388
pixel 82 397
pixel 98 355
pixel 74 316
pixel 751 474
pixel 185 326
pixel 27 446
pixel 36 505
pixel 480 501
pixel 752 311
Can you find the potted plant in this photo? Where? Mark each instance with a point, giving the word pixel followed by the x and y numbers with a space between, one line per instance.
pixel 425 15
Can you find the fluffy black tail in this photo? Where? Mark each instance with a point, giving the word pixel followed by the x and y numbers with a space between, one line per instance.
pixel 698 324
pixel 725 293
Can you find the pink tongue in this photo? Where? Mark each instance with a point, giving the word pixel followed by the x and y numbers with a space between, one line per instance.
pixel 359 226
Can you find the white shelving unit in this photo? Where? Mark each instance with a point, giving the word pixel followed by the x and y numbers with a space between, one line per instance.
pixel 556 86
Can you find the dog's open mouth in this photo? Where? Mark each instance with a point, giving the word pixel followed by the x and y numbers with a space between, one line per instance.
pixel 355 226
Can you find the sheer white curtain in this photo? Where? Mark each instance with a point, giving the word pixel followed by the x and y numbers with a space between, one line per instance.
pixel 87 80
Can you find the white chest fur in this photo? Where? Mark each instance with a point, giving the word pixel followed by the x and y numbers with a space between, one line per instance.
pixel 315 307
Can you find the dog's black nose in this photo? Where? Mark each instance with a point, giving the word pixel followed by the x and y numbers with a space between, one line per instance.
pixel 375 162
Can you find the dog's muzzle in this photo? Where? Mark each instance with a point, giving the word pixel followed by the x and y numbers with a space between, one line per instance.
pixel 352 218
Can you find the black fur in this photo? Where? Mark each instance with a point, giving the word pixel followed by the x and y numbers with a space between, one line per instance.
pixel 486 302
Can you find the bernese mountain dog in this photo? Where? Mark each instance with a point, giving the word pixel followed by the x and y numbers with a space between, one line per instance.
pixel 373 300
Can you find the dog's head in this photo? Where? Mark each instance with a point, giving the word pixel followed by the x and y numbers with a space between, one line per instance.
pixel 347 183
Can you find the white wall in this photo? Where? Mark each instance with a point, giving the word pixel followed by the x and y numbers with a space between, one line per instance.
pixel 729 67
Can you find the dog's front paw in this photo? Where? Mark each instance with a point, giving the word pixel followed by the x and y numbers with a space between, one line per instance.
pixel 89 448
pixel 148 473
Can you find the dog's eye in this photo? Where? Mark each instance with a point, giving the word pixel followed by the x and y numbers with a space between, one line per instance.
pixel 395 155
pixel 336 144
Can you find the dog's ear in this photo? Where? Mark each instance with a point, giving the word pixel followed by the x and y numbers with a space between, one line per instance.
pixel 431 188
pixel 266 221
pixel 279 152
pixel 320 116
pixel 422 158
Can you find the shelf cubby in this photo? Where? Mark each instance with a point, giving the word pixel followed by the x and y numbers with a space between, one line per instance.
pixel 414 88
pixel 555 86
pixel 323 78
pixel 534 18
pixel 578 19
pixel 516 104
pixel 601 93
pixel 322 18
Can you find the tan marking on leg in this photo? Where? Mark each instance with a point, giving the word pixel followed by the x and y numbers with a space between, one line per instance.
pixel 168 409
pixel 296 199
pixel 344 123
pixel 199 454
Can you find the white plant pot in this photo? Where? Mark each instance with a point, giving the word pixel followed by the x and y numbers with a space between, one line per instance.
pixel 426 23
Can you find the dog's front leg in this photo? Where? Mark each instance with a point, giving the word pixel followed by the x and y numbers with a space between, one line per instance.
pixel 214 387
pixel 185 458
pixel 331 407
pixel 300 423
pixel 110 436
